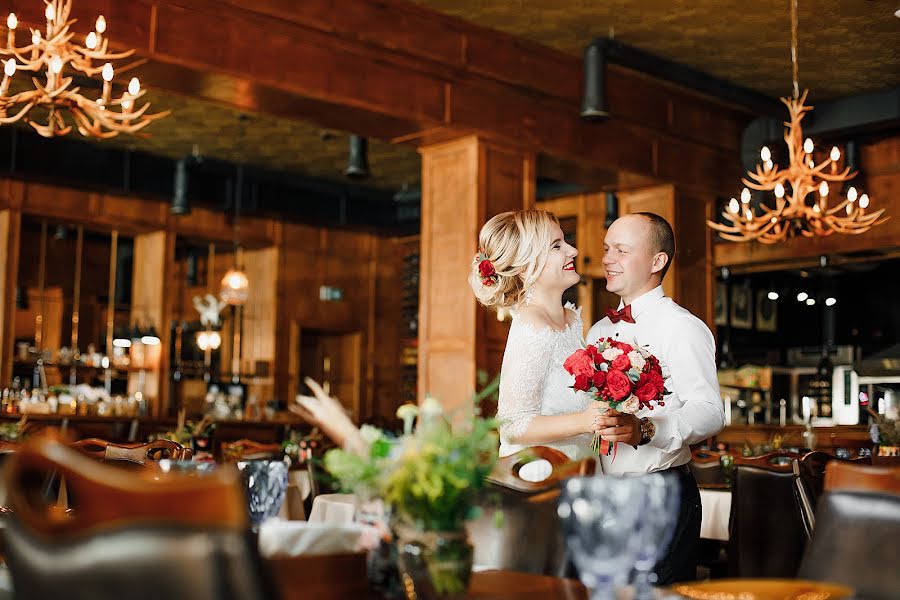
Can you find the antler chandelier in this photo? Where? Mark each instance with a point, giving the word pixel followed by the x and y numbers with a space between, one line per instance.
pixel 802 190
pixel 55 52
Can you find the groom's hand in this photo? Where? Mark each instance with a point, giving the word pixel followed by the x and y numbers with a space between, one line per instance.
pixel 614 426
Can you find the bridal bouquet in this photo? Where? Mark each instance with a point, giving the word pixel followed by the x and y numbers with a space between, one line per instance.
pixel 625 377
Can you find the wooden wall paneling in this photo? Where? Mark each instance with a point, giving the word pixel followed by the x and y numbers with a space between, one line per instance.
pixel 10 224
pixel 693 253
pixel 660 200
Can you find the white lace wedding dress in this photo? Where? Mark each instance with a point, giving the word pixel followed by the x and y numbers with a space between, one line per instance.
pixel 533 382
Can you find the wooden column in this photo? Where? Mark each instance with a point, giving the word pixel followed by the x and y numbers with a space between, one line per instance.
pixel 149 307
pixel 464 182
pixel 10 225
pixel 258 338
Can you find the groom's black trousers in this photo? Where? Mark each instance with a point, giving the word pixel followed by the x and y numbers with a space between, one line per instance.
pixel 680 561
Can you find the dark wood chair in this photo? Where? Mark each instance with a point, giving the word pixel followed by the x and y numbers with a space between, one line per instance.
pixel 856 541
pixel 766 536
pixel 148 454
pixel 135 534
pixel 530 539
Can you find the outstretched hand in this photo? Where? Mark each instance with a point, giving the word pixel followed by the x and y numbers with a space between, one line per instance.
pixel 615 426
pixel 326 413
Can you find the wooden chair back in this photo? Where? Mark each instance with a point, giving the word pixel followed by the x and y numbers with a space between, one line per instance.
pixel 136 534
pixel 847 476
pixel 506 471
pixel 148 454
pixel 245 449
pixel 701 456
pixel 778 461
pixel 109 495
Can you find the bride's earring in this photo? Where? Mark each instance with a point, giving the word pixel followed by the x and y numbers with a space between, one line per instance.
pixel 529 294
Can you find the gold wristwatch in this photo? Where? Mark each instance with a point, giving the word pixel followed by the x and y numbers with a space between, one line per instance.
pixel 648 429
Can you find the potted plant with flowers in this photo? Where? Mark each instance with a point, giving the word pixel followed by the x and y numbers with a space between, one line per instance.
pixel 430 479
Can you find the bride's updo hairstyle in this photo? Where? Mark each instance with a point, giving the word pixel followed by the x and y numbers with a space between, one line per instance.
pixel 516 243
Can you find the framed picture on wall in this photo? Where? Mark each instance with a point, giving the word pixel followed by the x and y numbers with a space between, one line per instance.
pixel 766 312
pixel 741 309
pixel 721 304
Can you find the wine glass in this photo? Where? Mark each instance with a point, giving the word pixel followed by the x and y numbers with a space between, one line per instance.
pixel 599 518
pixel 655 528
pixel 266 482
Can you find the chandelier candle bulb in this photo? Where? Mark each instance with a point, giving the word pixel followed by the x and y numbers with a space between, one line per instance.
pixel 50 13
pixel 779 190
pixel 9 68
pixel 808 146
pixel 11 24
pixel 864 201
pixel 851 194
pixel 134 86
pixel 823 189
pixel 745 196
pixel 733 206
pixel 765 154
pixel 835 154
pixel 91 41
pixel 101 24
pixel 769 164
pixel 107 74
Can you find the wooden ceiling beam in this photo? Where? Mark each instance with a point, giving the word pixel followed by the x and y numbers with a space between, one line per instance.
pixel 394 70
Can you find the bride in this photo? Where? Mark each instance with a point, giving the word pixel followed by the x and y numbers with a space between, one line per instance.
pixel 524 265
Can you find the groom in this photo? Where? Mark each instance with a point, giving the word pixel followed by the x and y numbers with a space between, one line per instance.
pixel 638 251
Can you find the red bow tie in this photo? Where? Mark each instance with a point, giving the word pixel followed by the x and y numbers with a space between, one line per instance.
pixel 620 315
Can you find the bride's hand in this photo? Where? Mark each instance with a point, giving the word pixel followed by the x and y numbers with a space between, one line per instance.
pixel 592 419
pixel 615 426
pixel 327 414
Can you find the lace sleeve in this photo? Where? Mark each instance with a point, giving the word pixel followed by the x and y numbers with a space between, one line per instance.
pixel 522 377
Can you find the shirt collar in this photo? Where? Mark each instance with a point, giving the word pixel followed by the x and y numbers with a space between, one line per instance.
pixel 642 302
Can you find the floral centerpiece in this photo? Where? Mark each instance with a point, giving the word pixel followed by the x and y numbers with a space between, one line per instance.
pixel 623 377
pixel 431 478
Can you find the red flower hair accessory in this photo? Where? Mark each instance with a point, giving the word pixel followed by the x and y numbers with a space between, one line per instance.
pixel 485 269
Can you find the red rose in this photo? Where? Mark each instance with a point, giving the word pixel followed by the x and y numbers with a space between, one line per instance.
pixel 618 383
pixel 646 392
pixel 599 379
pixel 580 363
pixel 582 383
pixel 486 268
pixel 592 352
pixel 621 362
pixel 626 348
pixel 656 378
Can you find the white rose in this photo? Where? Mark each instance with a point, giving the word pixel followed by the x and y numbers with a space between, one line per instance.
pixel 610 354
pixel 637 361
pixel 630 406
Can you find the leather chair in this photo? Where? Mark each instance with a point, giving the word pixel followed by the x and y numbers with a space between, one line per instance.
pixel 135 535
pixel 766 537
pixel 147 455
pixel 809 483
pixel 707 469
pixel 856 542
pixel 530 539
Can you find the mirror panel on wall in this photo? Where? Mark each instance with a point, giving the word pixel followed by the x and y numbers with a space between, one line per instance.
pixel 62 316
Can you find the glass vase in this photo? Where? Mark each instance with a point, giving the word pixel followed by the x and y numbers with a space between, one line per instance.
pixel 435 564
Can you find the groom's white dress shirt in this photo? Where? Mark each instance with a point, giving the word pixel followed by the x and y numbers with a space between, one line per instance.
pixel 687 354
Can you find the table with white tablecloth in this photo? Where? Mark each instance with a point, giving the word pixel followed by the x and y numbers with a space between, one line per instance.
pixel 716 506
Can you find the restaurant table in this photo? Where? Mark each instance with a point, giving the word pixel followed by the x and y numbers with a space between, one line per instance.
pixel 716 507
